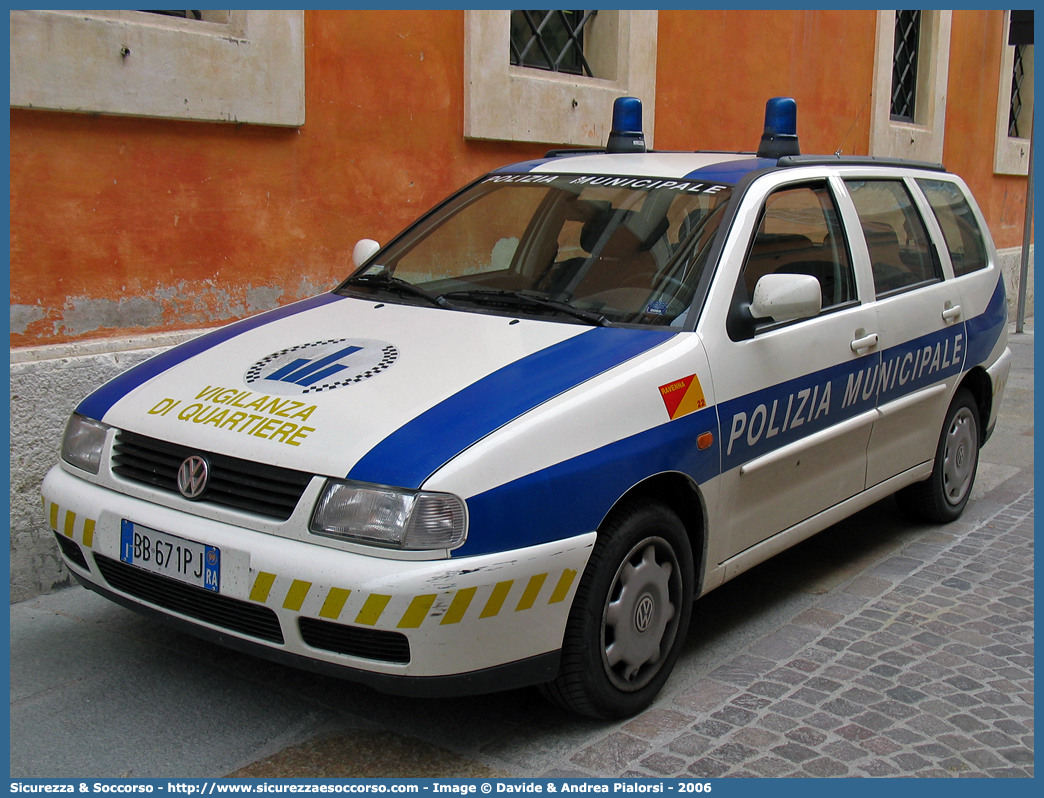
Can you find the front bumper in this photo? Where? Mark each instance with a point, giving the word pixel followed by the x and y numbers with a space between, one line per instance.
pixel 445 626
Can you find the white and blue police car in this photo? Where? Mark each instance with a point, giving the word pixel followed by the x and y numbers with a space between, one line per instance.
pixel 523 437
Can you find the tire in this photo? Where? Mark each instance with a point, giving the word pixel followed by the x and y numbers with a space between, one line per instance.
pixel 942 497
pixel 628 621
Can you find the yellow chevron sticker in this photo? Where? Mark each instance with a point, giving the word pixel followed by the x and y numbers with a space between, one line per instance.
pixel 296 595
pixel 372 609
pixel 562 588
pixel 263 584
pixel 88 533
pixel 334 603
pixel 54 516
pixel 70 523
pixel 459 605
pixel 530 594
pixel 496 599
pixel 417 611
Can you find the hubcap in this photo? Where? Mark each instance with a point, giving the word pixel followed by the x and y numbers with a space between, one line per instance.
pixel 640 619
pixel 959 456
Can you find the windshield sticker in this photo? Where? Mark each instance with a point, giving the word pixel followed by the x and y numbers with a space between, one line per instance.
pixel 683 396
pixel 657 308
pixel 643 183
pixel 321 365
pixel 269 417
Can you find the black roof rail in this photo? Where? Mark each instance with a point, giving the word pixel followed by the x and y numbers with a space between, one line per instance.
pixel 857 160
pixel 577 151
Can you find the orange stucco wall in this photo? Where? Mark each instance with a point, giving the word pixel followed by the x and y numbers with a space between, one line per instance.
pixel 190 224
pixel 716 69
pixel 122 225
pixel 971 118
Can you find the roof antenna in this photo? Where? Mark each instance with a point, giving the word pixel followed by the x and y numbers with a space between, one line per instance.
pixel 838 151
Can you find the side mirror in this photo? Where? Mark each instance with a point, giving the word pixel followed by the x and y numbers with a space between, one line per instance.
pixel 364 250
pixel 784 297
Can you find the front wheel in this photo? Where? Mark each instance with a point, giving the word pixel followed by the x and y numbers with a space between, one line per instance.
pixel 942 497
pixel 628 621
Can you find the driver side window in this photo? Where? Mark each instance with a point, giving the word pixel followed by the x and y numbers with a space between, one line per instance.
pixel 800 233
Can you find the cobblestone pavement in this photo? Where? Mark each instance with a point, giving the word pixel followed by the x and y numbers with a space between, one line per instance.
pixel 921 666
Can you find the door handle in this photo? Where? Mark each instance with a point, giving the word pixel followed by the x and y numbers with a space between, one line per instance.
pixel 951 312
pixel 865 342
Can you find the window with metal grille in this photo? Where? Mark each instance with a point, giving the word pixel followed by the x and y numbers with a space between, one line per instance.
pixel 905 50
pixel 550 40
pixel 198 16
pixel 1021 68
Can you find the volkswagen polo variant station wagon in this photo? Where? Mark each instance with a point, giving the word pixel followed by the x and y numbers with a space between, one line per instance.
pixel 518 442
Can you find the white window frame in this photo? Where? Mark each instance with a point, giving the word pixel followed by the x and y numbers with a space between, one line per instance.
pixel 509 103
pixel 1010 155
pixel 923 139
pixel 131 63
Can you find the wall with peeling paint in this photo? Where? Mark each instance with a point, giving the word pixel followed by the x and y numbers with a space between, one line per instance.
pixel 124 228
pixel 121 224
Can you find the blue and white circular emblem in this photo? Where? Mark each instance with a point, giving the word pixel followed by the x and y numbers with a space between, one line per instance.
pixel 321 366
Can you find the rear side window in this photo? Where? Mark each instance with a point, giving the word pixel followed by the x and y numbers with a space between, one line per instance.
pixel 960 229
pixel 799 233
pixel 900 249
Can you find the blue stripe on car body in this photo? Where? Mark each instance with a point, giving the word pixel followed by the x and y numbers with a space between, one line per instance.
pixel 101 401
pixel 412 453
pixel 985 329
pixel 544 506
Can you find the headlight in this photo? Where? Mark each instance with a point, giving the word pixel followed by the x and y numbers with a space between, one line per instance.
pixel 83 441
pixel 391 517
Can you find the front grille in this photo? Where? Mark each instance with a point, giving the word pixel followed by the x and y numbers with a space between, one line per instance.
pixel 228 613
pixel 353 640
pixel 71 550
pixel 255 487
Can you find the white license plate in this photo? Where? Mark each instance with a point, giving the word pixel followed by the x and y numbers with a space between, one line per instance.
pixel 174 557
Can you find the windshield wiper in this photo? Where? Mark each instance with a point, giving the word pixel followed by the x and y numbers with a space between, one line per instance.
pixel 397 285
pixel 520 299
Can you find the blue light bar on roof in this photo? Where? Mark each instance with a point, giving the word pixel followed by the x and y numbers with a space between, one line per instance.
pixel 626 135
pixel 780 136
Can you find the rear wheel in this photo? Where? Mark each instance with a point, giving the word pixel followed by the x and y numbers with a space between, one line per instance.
pixel 942 497
pixel 628 620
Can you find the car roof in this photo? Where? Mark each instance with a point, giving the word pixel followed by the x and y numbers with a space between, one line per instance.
pixel 711 167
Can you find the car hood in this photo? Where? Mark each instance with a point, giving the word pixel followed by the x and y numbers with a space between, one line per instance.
pixel 338 386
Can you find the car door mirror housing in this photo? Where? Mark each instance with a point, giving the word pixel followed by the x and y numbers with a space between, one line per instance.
pixel 364 250
pixel 785 297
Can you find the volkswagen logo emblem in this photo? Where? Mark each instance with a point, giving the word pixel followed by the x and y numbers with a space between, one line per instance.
pixel 643 613
pixel 193 475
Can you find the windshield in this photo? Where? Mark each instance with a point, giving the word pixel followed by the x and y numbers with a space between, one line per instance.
pixel 581 248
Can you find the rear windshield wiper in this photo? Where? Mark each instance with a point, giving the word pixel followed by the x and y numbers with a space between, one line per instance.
pixel 385 281
pixel 518 299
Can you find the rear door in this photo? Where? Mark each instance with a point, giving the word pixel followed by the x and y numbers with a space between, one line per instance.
pixel 920 323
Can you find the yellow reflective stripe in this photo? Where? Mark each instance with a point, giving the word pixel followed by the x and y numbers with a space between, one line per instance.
pixel 562 588
pixel 296 595
pixel 263 583
pixel 372 609
pixel 459 605
pixel 535 583
pixel 54 516
pixel 334 603
pixel 70 522
pixel 88 532
pixel 417 611
pixel 496 599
